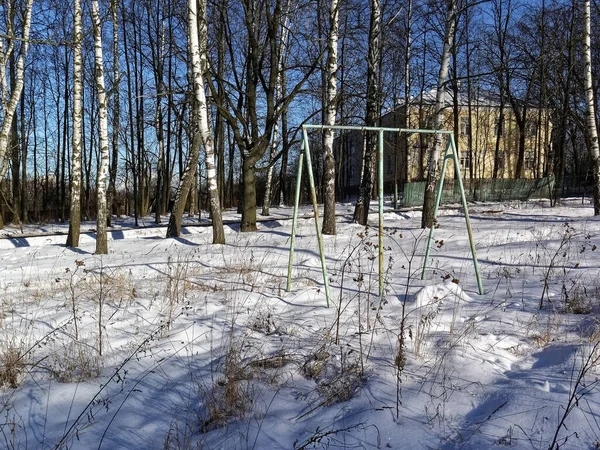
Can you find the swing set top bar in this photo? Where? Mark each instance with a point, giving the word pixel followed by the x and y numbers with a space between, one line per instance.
pixel 361 128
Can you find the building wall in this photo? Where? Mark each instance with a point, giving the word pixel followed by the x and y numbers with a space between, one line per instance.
pixel 405 156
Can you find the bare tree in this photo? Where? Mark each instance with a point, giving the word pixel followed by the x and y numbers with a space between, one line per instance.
pixel 592 130
pixel 114 161
pixel 361 210
pixel 10 98
pixel 156 37
pixel 102 173
pixel 75 208
pixel 273 153
pixel 330 113
pixel 201 132
pixel 434 155
pixel 248 101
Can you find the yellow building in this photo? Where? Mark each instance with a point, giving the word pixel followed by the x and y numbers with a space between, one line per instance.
pixel 488 147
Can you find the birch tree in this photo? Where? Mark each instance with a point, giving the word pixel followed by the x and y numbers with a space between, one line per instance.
pixel 592 130
pixel 434 155
pixel 9 98
pixel 330 113
pixel 361 210
pixel 112 183
pixel 406 116
pixel 201 133
pixel 102 172
pixel 75 208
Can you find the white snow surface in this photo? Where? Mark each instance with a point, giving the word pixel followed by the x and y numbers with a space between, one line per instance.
pixel 203 347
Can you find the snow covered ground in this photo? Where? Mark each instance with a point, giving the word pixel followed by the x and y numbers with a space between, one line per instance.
pixel 178 343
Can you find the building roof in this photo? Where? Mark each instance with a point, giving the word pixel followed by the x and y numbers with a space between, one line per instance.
pixel 480 98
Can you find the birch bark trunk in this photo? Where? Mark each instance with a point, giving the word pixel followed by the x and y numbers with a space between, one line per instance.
pixel 330 114
pixel 75 209
pixel 434 156
pixel 591 110
pixel 202 135
pixel 11 101
pixel 102 173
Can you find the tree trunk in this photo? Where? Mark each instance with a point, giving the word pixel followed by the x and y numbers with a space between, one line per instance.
pixel 15 166
pixel 284 197
pixel 75 210
pixel 9 106
pixel 219 119
pixel 361 210
pixel 198 52
pixel 157 51
pixel 248 194
pixel 112 188
pixel 101 237
pixel 592 131
pixel 330 114
pixel 402 159
pixel 24 144
pixel 278 96
pixel 434 156
pixel 132 164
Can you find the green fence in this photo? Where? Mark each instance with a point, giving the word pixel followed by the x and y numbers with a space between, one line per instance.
pixel 497 190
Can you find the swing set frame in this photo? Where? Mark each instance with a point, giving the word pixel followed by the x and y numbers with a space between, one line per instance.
pixel 450 153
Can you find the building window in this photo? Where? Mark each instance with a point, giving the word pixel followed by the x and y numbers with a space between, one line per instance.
pixel 465 160
pixel 465 126
pixel 388 137
pixel 529 162
pixel 531 127
pixel 389 164
pixel 352 172
pixel 501 161
pixel 430 123
pixel 500 127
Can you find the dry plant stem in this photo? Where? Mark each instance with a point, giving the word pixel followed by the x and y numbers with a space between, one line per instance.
pixel 100 305
pixel 20 360
pixel 577 394
pixel 401 352
pixel 321 434
pixel 339 308
pixel 565 240
pixel 176 285
pixel 115 375
pixel 378 317
pixel 401 355
pixel 74 299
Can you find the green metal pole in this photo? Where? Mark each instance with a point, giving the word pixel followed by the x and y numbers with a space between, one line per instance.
pixel 467 219
pixel 313 195
pixel 295 219
pixel 380 197
pixel 438 198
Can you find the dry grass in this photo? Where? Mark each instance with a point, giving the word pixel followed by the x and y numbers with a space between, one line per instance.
pixel 231 396
pixel 580 295
pixel 542 333
pixel 117 285
pixel 12 366
pixel 263 321
pixel 343 385
pixel 316 362
pixel 337 378
pixel 74 362
pixel 180 437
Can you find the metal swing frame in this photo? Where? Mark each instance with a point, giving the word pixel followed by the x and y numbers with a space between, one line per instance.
pixel 451 153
